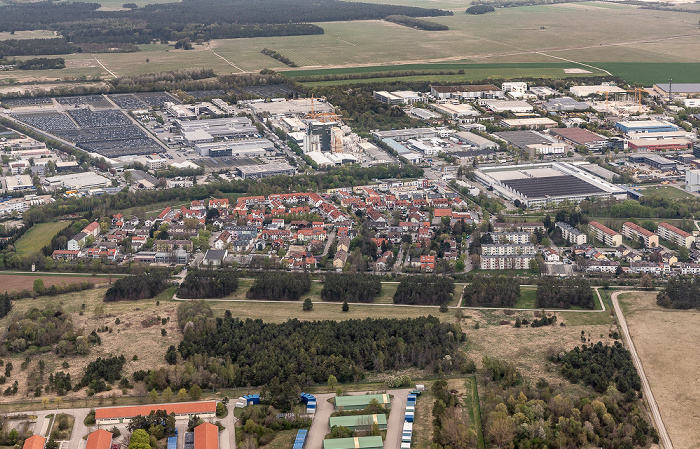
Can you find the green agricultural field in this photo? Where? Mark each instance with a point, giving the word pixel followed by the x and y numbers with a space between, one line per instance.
pixel 38 237
pixel 651 73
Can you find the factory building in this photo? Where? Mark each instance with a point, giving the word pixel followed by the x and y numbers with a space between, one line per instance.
pixel 455 111
pixel 515 89
pixel 571 234
pixel 565 104
pixel 644 126
pixel 677 89
pixel 397 98
pixel 653 160
pixel 235 148
pixel 530 123
pixel 604 234
pixel 659 145
pixel 636 232
pixel 466 92
pixel 475 140
pixel 580 137
pixel 514 106
pixel 265 171
pixel 675 235
pixel 400 135
pixel 586 91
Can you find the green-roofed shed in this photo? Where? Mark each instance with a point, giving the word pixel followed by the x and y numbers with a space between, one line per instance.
pixel 354 443
pixel 358 422
pixel 360 401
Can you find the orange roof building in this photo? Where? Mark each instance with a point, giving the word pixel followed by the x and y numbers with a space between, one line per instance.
pixel 34 442
pixel 112 415
pixel 206 436
pixel 99 439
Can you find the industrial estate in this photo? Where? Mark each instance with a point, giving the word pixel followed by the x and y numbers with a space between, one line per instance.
pixel 202 252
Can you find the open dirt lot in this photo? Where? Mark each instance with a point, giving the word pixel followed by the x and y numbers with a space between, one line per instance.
pixel 668 341
pixel 17 282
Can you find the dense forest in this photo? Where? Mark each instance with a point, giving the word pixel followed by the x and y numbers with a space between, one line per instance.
pixel 279 286
pixel 497 291
pixel 41 64
pixel 101 371
pixel 537 415
pixel 140 286
pixel 556 293
pixel 414 22
pixel 312 351
pixel 200 20
pixel 599 366
pixel 680 293
pixel 200 284
pixel 32 47
pixel 351 287
pixel 425 290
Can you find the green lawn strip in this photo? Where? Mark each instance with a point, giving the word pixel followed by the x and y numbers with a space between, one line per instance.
pixel 471 399
pixel 38 236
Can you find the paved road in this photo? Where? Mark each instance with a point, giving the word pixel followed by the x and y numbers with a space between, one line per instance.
pixel 664 439
pixel 230 423
pixel 319 426
pixel 395 422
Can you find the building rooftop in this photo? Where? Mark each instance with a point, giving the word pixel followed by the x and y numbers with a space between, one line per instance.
pixel 357 420
pixel 578 136
pixel 206 436
pixel 353 443
pixel 182 408
pixel 99 439
pixel 466 88
pixel 546 186
pixel 34 442
pixel 361 399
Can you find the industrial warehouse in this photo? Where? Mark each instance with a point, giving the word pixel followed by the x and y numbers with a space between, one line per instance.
pixel 541 185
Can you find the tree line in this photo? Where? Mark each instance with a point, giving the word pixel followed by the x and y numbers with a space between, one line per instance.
pixel 278 56
pixel 200 284
pixel 414 22
pixel 279 286
pixel 424 290
pixel 32 47
pixel 557 293
pixel 680 293
pixel 351 287
pixel 496 291
pixel 140 286
pixel 5 305
pixel 41 64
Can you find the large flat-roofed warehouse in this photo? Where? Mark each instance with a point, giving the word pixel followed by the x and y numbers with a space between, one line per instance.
pixel 299 106
pixel 400 135
pixel 680 89
pixel 266 170
pixel 653 160
pixel 585 91
pixel 645 126
pixel 360 401
pixel 565 104
pixel 202 131
pixel 514 106
pixel 358 422
pixel 475 140
pixel 374 442
pixel 532 142
pixel 77 181
pixel 540 185
pixel 659 145
pixel 468 91
pixel 532 123
pixel 183 410
pixel 580 136
pixel 239 148
pixel 455 111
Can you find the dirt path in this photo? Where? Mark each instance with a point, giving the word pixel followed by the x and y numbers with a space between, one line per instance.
pixel 664 439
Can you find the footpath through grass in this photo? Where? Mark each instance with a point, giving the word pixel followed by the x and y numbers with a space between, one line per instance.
pixel 37 237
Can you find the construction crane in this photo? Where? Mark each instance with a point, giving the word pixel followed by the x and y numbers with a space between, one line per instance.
pixel 637 96
pixel 323 117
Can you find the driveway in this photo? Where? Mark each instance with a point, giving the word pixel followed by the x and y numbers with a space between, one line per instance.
pixel 396 417
pixel 319 425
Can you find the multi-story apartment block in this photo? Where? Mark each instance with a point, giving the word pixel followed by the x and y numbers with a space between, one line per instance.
pixel 571 234
pixel 605 234
pixel 675 235
pixel 636 232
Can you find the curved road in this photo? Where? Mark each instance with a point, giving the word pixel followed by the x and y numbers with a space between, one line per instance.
pixel 664 439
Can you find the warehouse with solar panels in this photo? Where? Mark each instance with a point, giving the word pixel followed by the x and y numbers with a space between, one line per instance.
pixel 548 184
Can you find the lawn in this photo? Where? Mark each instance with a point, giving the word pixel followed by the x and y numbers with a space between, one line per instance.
pixel 528 296
pixel 38 236
pixel 667 192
